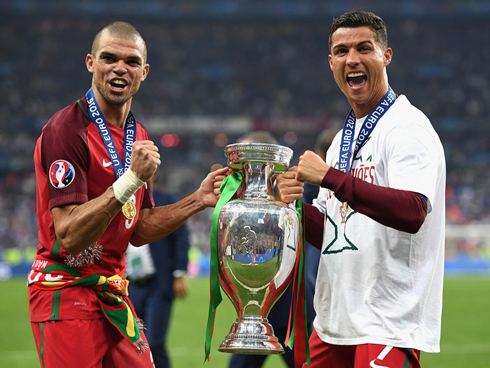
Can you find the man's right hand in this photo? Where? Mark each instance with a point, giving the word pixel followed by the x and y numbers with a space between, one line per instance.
pixel 311 168
pixel 145 159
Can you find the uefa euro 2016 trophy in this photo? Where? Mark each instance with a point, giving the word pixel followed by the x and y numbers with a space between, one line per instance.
pixel 257 239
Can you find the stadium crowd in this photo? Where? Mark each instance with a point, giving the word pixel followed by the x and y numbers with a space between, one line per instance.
pixel 267 70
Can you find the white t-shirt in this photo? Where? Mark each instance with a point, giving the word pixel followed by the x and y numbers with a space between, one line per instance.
pixel 376 284
pixel 139 263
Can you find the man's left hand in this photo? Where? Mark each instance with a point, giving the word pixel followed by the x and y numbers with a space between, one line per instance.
pixel 180 287
pixel 209 190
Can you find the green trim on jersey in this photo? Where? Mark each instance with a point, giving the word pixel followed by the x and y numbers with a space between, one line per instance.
pixel 83 110
pixel 41 345
pixel 55 251
pixel 329 246
pixel 326 251
pixel 352 246
pixel 55 311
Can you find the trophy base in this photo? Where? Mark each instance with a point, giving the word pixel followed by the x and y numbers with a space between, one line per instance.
pixel 251 335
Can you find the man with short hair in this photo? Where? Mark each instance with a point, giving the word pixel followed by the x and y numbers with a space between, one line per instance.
pixel 93 163
pixel 379 216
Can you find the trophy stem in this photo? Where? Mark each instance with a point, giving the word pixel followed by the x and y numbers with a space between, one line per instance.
pixel 257 178
pixel 251 335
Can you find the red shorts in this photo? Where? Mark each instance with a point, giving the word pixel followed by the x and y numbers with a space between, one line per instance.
pixel 93 343
pixel 360 356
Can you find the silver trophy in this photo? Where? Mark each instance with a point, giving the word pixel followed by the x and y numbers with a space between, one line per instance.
pixel 257 237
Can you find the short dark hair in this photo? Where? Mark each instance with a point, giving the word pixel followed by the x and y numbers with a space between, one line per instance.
pixel 121 30
pixel 357 19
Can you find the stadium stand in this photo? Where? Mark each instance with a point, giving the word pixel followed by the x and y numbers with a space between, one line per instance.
pixel 223 68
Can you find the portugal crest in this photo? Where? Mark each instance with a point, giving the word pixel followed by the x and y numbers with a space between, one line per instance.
pixel 61 174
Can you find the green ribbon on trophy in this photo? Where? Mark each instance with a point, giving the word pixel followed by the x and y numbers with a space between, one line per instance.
pixel 299 321
pixel 228 188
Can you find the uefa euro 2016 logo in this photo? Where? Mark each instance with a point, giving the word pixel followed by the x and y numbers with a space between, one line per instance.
pixel 61 174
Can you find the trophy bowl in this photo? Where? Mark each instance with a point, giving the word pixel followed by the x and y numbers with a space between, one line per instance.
pixel 257 239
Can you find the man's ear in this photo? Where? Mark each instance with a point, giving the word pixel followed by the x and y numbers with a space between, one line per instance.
pixel 89 62
pixel 146 70
pixel 388 55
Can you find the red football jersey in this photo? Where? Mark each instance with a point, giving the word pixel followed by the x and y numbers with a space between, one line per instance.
pixel 73 166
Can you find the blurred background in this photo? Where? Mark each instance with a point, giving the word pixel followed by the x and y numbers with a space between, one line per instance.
pixel 220 69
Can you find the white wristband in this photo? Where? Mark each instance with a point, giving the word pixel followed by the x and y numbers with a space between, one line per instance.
pixel 179 273
pixel 126 186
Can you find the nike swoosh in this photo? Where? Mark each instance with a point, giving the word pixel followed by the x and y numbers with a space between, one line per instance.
pixel 374 365
pixel 106 164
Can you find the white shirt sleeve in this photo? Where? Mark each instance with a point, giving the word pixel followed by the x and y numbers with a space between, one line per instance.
pixel 414 158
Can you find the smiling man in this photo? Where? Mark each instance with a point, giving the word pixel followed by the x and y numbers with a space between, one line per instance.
pixel 379 215
pixel 93 163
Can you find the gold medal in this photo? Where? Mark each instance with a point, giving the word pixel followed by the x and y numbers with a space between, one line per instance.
pixel 129 210
pixel 346 207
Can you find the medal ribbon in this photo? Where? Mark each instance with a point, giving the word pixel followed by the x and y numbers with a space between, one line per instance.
pixel 228 188
pixel 129 135
pixel 367 128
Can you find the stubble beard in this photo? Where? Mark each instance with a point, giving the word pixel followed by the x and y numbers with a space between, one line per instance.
pixel 112 101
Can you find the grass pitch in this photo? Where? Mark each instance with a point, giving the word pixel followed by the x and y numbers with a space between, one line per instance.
pixel 465 327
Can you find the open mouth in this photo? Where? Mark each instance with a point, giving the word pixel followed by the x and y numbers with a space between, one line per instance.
pixel 118 84
pixel 356 80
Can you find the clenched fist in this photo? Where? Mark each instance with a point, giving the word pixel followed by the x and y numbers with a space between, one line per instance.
pixel 311 168
pixel 145 159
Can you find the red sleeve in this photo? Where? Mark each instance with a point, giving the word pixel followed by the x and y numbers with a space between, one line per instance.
pixel 313 220
pixel 399 209
pixel 148 201
pixel 64 143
